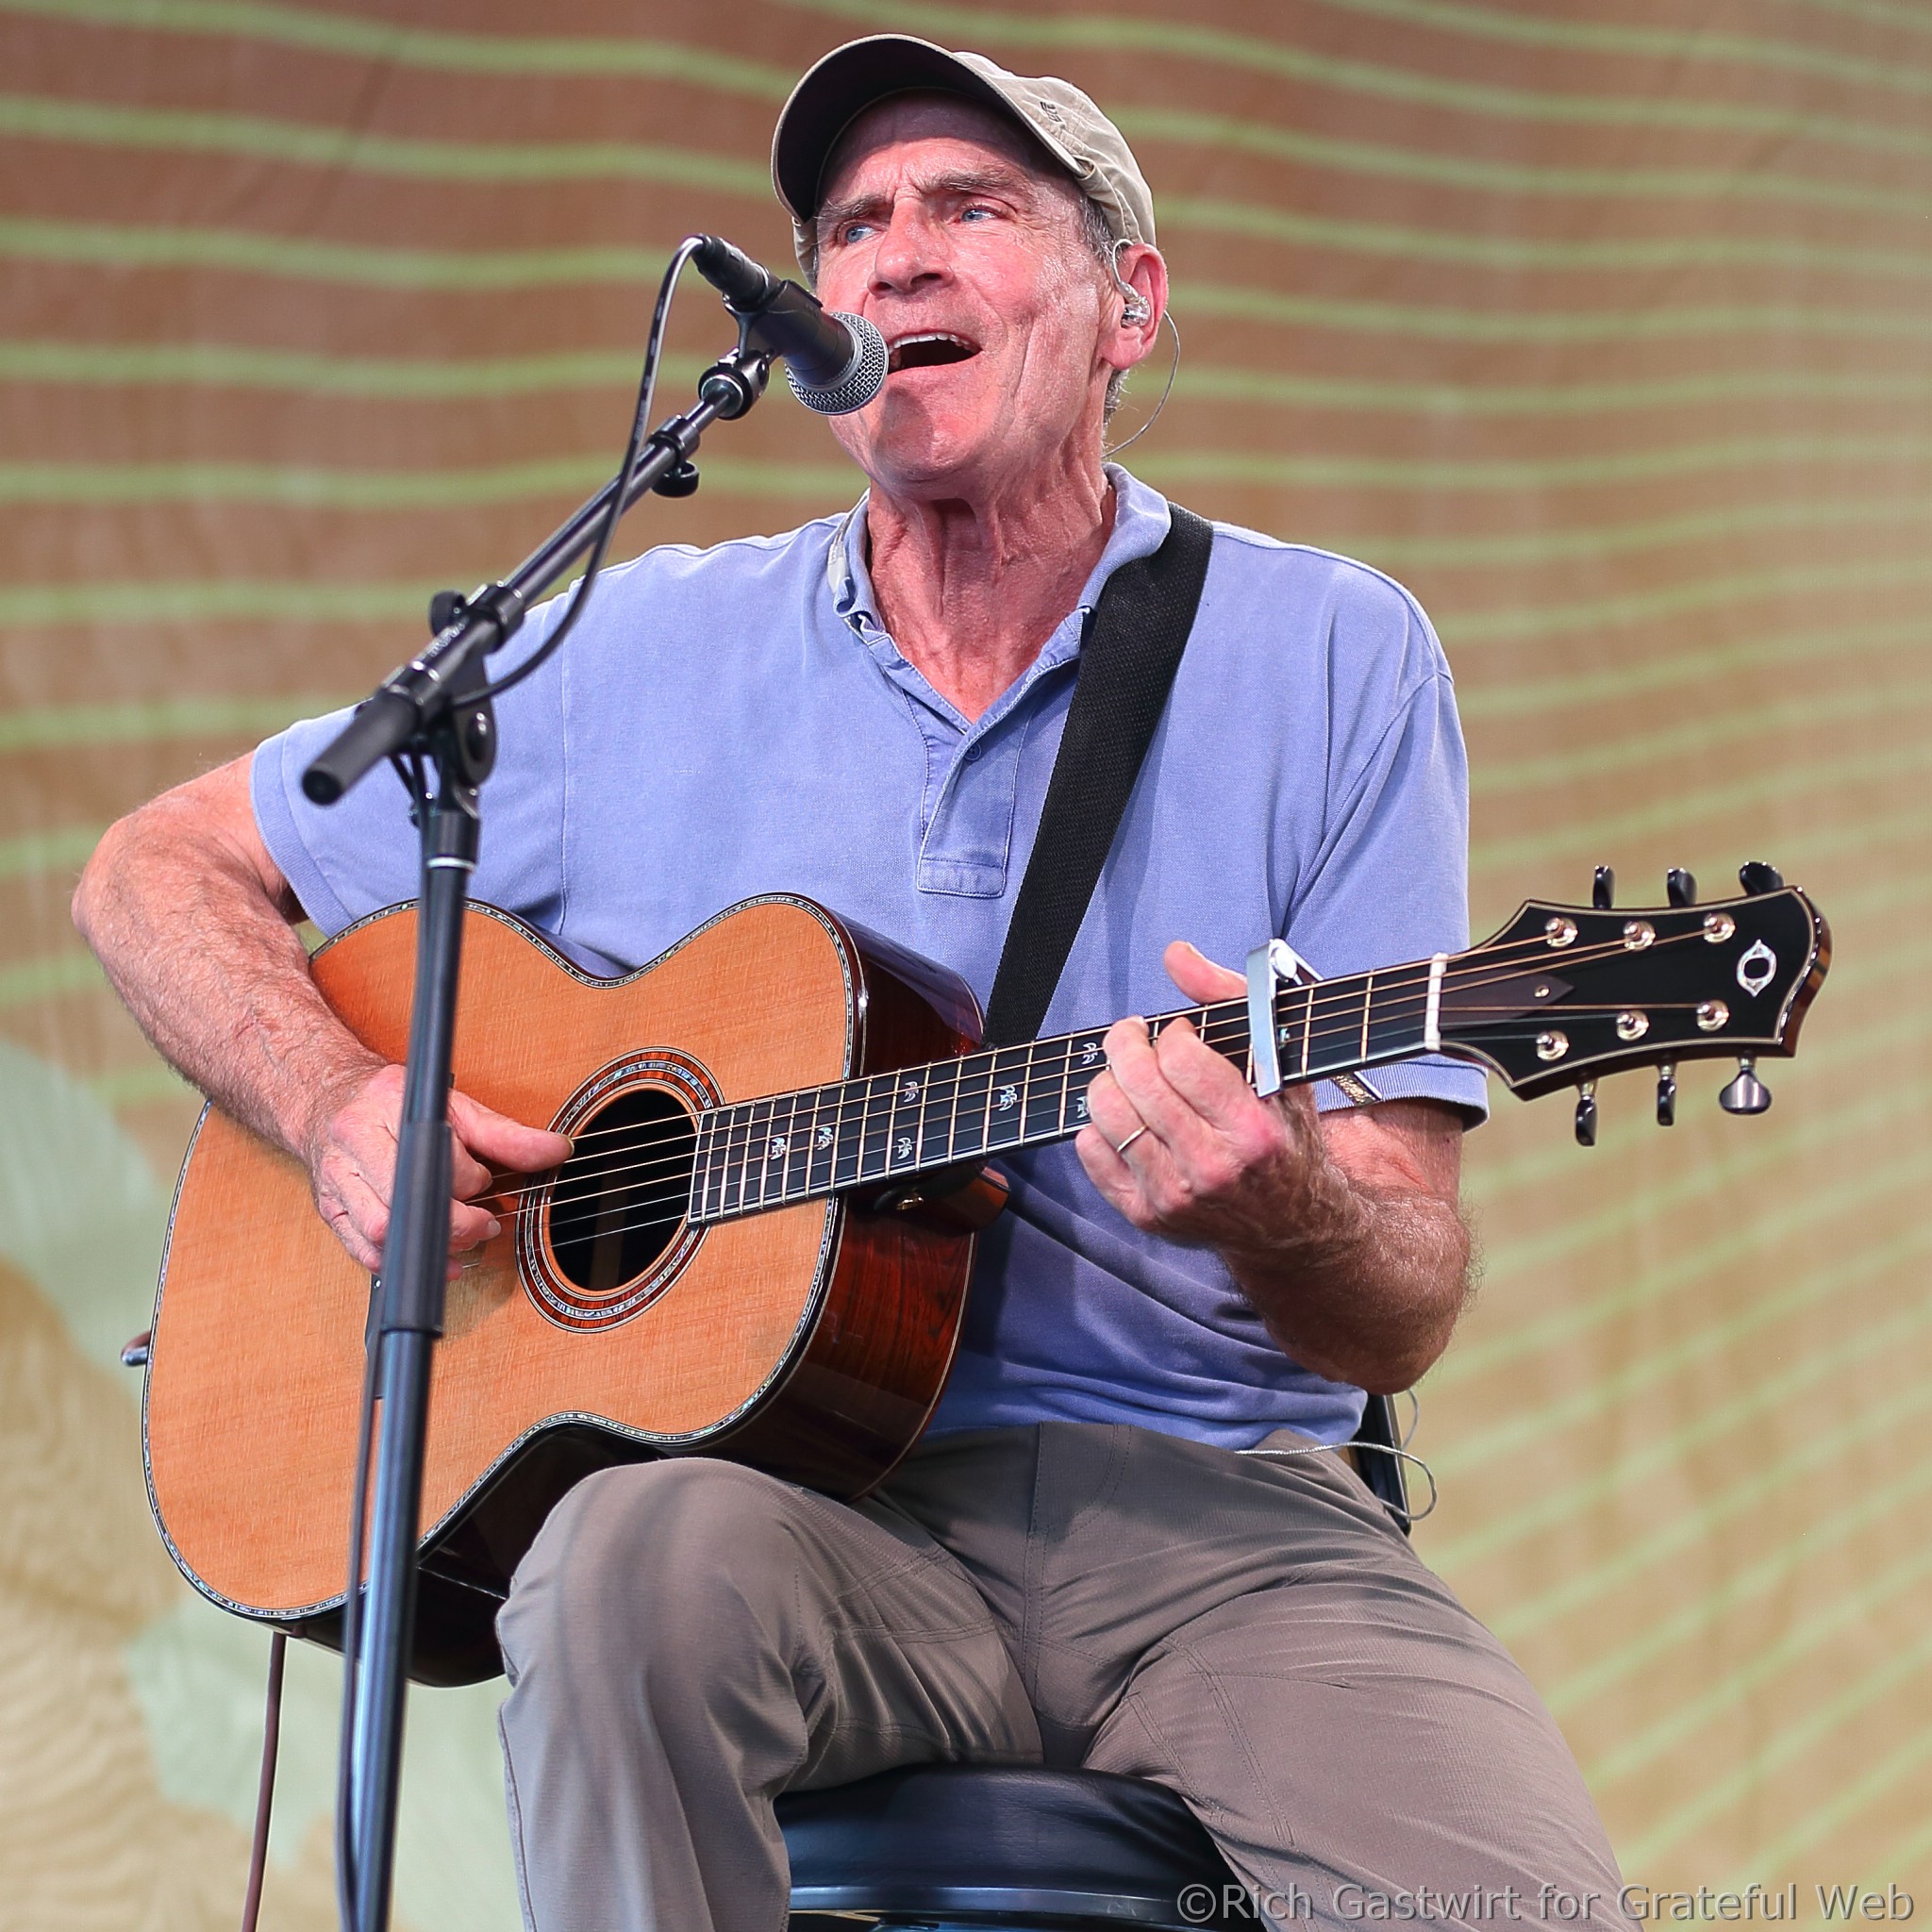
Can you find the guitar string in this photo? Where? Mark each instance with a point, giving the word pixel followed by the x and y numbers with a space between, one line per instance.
pixel 745 1208
pixel 679 1181
pixel 596 1170
pixel 1394 1004
pixel 1230 1023
pixel 594 1174
pixel 1334 995
pixel 808 1164
pixel 678 1167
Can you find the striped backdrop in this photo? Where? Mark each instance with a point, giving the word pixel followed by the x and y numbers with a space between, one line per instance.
pixel 1601 322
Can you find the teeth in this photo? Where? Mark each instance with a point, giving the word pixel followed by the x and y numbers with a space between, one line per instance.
pixel 906 349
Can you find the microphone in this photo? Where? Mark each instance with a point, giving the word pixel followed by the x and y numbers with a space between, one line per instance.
pixel 835 363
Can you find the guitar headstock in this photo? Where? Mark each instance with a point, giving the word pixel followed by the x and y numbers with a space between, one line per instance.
pixel 1564 994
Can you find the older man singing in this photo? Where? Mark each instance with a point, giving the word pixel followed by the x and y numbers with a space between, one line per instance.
pixel 1125 1542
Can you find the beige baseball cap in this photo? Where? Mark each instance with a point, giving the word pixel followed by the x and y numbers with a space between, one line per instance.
pixel 1074 133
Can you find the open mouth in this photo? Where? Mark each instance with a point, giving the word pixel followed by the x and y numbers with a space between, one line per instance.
pixel 930 349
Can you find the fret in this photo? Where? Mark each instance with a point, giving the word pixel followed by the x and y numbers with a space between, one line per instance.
pixel 758 1113
pixel 731 1179
pixel 849 1155
pixel 758 1162
pixel 798 1154
pixel 1084 1057
pixel 1388 1029
pixel 941 1117
pixel 849 1150
pixel 902 1130
pixel 876 1124
pixel 757 1128
pixel 1400 1025
pixel 1046 1089
pixel 1046 1078
pixel 700 1205
pixel 718 1160
pixel 1006 1100
pixel 1226 1029
pixel 827 1119
pixel 1308 1023
pixel 972 1098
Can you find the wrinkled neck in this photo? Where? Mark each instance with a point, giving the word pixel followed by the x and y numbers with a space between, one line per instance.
pixel 971 589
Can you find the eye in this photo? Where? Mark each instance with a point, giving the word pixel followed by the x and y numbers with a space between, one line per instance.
pixel 978 207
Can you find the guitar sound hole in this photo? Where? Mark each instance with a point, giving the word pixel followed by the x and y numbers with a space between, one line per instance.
pixel 621 1196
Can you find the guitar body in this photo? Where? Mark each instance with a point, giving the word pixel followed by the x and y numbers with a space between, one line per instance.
pixel 812 1339
pixel 759 1245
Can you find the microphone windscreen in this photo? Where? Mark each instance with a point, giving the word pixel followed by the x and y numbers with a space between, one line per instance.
pixel 860 381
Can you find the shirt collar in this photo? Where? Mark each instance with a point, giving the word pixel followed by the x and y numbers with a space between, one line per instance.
pixel 1141 519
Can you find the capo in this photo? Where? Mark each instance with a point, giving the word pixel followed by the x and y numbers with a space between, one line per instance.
pixel 1277 962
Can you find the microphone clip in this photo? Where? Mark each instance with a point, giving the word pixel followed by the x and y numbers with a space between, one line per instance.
pixel 733 383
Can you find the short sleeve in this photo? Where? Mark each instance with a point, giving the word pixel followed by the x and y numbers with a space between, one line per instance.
pixel 1389 881
pixel 348 860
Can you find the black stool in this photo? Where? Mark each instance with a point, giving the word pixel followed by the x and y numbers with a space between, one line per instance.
pixel 944 1846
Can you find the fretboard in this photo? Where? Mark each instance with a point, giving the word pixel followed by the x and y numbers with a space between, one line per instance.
pixel 889 1128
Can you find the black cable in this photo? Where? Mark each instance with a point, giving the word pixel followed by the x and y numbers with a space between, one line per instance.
pixel 265 1782
pixel 415 778
pixel 647 386
pixel 345 1794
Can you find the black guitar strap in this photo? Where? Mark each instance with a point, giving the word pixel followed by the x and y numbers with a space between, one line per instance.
pixel 1127 663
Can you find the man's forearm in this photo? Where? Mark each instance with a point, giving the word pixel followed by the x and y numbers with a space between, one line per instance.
pixel 195 943
pixel 1342 1229
pixel 1367 1288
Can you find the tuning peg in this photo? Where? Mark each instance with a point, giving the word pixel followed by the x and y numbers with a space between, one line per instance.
pixel 1681 887
pixel 446 607
pixel 1756 876
pixel 1747 1093
pixel 1602 889
pixel 1586 1113
pixel 1666 1096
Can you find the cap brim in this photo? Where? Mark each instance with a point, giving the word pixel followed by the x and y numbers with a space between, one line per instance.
pixel 849 80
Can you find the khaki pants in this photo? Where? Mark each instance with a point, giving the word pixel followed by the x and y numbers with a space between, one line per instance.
pixel 686 1639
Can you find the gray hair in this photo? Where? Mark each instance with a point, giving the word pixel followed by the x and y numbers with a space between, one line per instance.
pixel 1102 240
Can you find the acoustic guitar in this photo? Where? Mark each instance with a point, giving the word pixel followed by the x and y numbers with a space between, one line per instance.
pixel 761 1245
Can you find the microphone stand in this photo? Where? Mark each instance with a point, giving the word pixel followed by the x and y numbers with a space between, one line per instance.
pixel 434 713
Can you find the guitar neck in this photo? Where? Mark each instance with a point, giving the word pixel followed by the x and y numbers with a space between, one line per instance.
pixel 889 1129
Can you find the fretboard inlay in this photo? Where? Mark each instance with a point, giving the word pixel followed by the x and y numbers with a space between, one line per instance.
pixel 887 1128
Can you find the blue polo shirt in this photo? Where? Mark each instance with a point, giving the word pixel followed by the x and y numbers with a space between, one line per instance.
pixel 737 720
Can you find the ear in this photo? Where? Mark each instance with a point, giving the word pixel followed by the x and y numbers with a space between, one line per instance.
pixel 1141 271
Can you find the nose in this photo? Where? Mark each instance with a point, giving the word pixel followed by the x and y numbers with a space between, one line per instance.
pixel 910 252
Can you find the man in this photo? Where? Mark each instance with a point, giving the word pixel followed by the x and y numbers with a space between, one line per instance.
pixel 1082 1561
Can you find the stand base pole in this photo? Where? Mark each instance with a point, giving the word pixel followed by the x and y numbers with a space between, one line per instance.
pixel 389 1620
pixel 415 1262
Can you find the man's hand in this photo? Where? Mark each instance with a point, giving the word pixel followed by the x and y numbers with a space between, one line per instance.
pixel 195 923
pixel 1343 1230
pixel 1206 1161
pixel 352 1159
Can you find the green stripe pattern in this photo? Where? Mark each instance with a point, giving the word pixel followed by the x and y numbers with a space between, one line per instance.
pixel 1605 328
